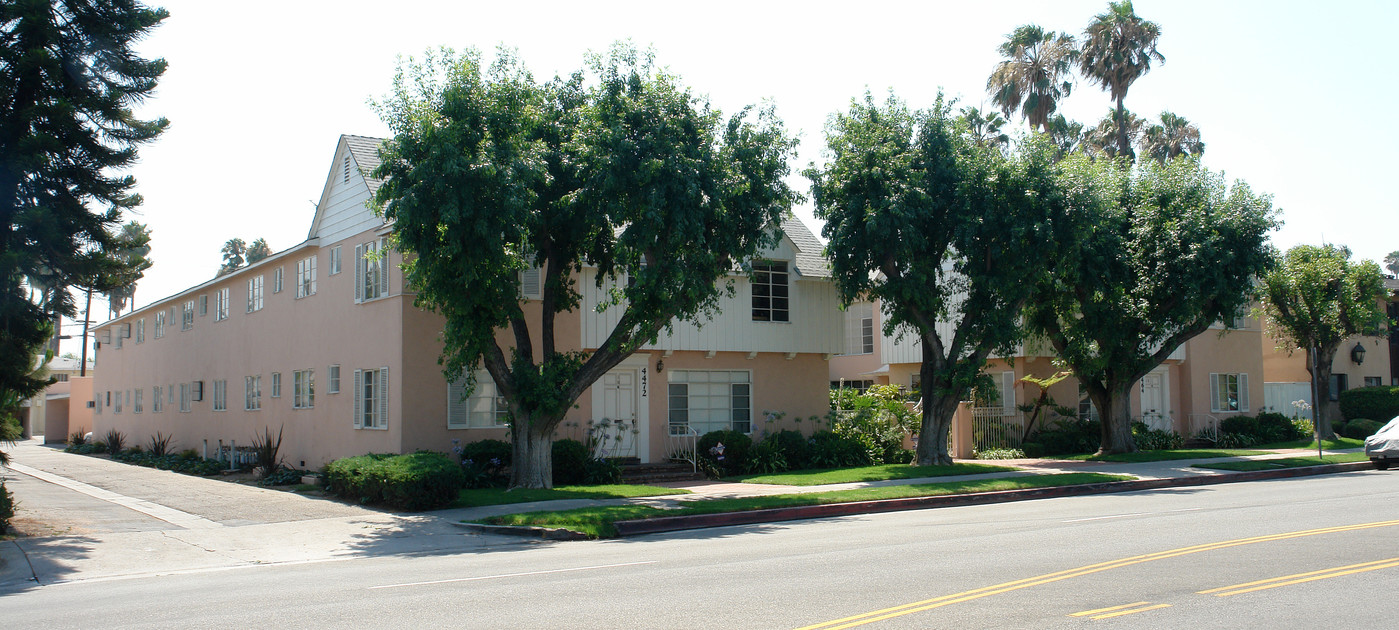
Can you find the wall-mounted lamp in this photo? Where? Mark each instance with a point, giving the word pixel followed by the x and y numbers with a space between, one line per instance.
pixel 1357 354
pixel 660 365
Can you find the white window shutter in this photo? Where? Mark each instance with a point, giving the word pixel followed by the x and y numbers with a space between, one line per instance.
pixel 359 399
pixel 1243 392
pixel 383 397
pixel 313 274
pixel 383 267
pixel 529 283
pixel 359 273
pixel 1214 393
pixel 1008 392
pixel 456 407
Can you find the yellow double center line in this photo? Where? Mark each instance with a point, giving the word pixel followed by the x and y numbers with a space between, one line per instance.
pixel 1299 578
pixel 966 596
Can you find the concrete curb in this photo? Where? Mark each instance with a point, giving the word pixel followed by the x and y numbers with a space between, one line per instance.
pixel 700 521
pixel 545 533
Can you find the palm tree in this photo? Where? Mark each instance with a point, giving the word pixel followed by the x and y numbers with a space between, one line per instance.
pixel 1034 76
pixel 985 127
pixel 1105 139
pixel 233 252
pixel 1118 48
pixel 1067 135
pixel 1174 136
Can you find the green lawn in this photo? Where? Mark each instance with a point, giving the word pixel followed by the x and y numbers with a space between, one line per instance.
pixel 868 473
pixel 502 496
pixel 597 522
pixel 1289 462
pixel 1336 444
pixel 1162 456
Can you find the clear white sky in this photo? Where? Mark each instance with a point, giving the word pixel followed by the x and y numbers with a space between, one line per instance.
pixel 1289 96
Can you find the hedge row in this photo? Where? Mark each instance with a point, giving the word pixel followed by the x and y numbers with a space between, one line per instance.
pixel 1375 403
pixel 416 481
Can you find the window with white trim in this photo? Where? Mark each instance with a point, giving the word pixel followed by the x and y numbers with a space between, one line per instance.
pixel 171 390
pixel 97 403
pixel 303 388
pixel 276 384
pixel 252 393
pixel 306 277
pixel 160 324
pixel 371 270
pixel 203 305
pixel 141 330
pixel 1228 392
pixel 333 378
pixel 277 280
pixel 859 329
pixel 220 395
pixel 1374 381
pixel 157 399
pixel 372 399
pixel 184 397
pixel 335 260
pixel 221 304
pixel 117 407
pixel 709 400
pixel 136 407
pixel 254 294
pixel 770 291
pixel 484 409
pixel 187 316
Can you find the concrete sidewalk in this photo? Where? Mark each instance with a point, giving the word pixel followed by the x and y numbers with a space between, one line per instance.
pixel 90 518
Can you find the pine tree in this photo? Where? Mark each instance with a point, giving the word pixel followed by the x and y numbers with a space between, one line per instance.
pixel 69 80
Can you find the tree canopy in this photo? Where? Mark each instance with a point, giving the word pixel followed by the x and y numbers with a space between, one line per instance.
pixel 491 173
pixel 1035 74
pixel 1315 299
pixel 939 227
pixel 1118 48
pixel 1154 255
pixel 68 83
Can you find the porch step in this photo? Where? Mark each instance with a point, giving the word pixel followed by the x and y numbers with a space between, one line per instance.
pixel 642 474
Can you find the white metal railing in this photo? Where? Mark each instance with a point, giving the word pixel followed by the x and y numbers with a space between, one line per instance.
pixel 996 428
pixel 681 442
pixel 1203 425
pixel 1159 421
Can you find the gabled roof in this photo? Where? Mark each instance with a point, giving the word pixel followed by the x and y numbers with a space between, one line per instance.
pixel 810 262
pixel 365 150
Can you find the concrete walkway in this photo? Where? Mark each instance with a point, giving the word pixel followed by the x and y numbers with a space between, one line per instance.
pixel 91 518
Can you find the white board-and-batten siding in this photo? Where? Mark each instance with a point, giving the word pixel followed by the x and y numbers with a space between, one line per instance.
pixel 344 213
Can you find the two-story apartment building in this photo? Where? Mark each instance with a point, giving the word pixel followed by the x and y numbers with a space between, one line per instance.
pixel 1212 376
pixel 322 342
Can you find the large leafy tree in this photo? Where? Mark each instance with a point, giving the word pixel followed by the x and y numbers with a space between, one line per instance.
pixel 258 250
pixel 1315 299
pixel 1174 136
pixel 132 250
pixel 944 231
pixel 1154 254
pixel 1118 48
pixel 233 252
pixel 491 173
pixel 68 83
pixel 1035 74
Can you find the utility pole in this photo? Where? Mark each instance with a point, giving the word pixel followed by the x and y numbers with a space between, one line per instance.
pixel 82 363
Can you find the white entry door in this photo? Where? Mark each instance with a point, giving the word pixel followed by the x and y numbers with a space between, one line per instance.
pixel 619 435
pixel 1153 398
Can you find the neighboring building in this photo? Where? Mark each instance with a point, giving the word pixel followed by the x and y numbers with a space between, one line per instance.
pixel 1360 362
pixel 322 343
pixel 47 413
pixel 1212 376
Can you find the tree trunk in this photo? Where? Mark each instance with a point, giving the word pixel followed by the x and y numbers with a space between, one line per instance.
pixel 1322 377
pixel 938 410
pixel 532 465
pixel 1124 147
pixel 1115 404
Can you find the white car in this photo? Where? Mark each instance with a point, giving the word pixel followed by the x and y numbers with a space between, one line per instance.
pixel 1383 447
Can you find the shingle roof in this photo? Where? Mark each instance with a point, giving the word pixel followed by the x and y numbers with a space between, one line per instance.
pixel 366 153
pixel 810 261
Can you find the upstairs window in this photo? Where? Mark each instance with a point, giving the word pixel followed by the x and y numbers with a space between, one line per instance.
pixel 254 294
pixel 221 304
pixel 303 389
pixel 859 329
pixel 371 270
pixel 770 291
pixel 141 330
pixel 335 260
pixel 160 324
pixel 252 393
pixel 187 316
pixel 306 277
pixel 277 280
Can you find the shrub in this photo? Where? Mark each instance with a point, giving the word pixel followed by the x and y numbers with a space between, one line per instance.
pixel 160 444
pixel 1149 439
pixel 1000 453
pixel 598 471
pixel 1275 427
pixel 1379 403
pixel 114 441
pixel 1070 435
pixel 1032 449
pixel 487 450
pixel 1361 428
pixel 417 481
pixel 734 459
pixel 7 508
pixel 486 463
pixel 86 448
pixel 283 477
pixel 265 451
pixel 767 458
pixel 570 462
pixel 1244 425
pixel 794 447
pixel 78 438
pixel 832 450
